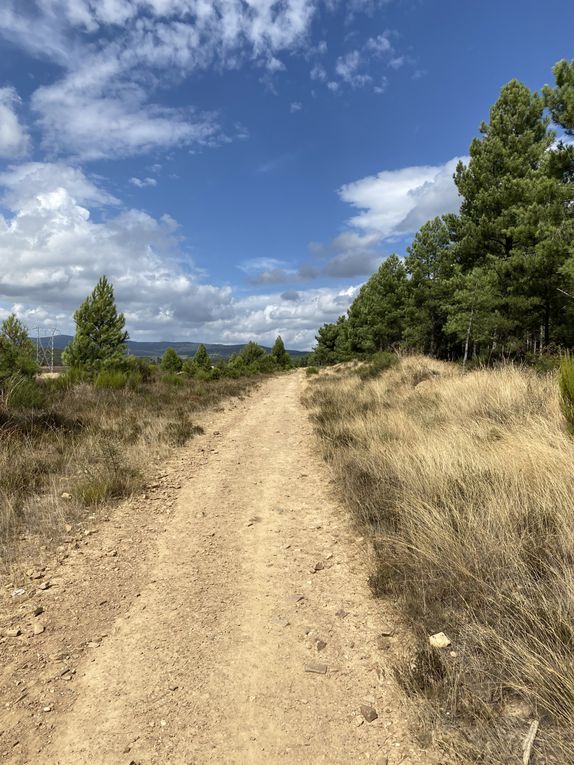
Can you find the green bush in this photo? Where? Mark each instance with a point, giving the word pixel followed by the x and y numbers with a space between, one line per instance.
pixel 23 393
pixel 112 379
pixel 312 371
pixel 384 360
pixel 172 379
pixel 567 390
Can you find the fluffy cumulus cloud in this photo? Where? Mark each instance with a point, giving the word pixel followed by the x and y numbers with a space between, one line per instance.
pixel 63 231
pixel 115 53
pixel 14 139
pixel 398 202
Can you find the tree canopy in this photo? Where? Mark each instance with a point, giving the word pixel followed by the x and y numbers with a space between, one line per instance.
pixel 100 339
pixel 497 277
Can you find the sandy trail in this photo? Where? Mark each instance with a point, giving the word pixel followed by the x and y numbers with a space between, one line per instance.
pixel 205 663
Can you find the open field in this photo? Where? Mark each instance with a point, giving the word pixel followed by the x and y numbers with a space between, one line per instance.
pixel 464 483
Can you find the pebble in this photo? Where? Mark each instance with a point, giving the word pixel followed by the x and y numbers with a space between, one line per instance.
pixel 439 640
pixel 38 628
pixel 319 566
pixel 369 712
pixel 13 632
pixel 320 645
pixel 38 610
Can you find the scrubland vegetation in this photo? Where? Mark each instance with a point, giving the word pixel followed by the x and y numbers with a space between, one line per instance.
pixel 465 484
pixel 87 436
pixel 67 444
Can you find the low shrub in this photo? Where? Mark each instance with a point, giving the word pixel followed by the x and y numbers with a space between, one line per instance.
pixel 311 371
pixel 178 433
pixel 111 379
pixel 23 393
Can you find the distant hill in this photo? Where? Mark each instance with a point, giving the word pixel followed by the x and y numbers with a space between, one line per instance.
pixel 156 349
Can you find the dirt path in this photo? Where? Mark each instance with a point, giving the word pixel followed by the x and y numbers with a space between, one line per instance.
pixel 188 644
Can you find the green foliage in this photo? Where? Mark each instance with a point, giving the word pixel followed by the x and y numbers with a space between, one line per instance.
pixel 376 317
pixel 497 279
pixel 23 393
pixel 251 354
pixel 172 378
pixel 100 339
pixel 567 390
pixel 560 100
pixel 201 358
pixel 17 352
pixel 311 371
pixel 280 355
pixel 170 361
pixel 111 378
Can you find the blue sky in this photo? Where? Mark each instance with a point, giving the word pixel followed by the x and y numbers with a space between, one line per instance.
pixel 239 168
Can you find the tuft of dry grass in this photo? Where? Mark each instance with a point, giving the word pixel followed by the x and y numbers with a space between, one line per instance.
pixel 466 484
pixel 88 445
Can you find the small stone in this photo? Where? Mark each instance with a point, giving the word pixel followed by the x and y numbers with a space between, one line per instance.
pixel 387 631
pixel 382 761
pixel 48 709
pixel 68 528
pixel 320 645
pixel 44 586
pixel 369 712
pixel 296 598
pixel 341 613
pixel 38 628
pixel 93 644
pixel 13 632
pixel 38 610
pixel 36 575
pixel 66 495
pixel 358 721
pixel 329 556
pixel 439 640
pixel 317 669
pixel 319 566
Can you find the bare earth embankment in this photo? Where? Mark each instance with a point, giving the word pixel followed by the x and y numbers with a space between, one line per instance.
pixel 181 631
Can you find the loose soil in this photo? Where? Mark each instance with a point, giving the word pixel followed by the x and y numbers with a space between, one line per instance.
pixel 182 627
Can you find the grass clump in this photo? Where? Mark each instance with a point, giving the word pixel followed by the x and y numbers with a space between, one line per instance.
pixel 465 485
pixel 311 371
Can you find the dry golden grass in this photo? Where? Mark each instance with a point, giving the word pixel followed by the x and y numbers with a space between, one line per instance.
pixel 92 444
pixel 466 483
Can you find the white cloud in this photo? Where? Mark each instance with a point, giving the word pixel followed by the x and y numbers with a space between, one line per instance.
pixel 14 139
pixel 295 106
pixel 102 106
pixel 53 250
pixel 142 183
pixel 397 202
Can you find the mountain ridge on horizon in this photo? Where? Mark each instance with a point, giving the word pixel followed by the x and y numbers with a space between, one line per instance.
pixel 156 348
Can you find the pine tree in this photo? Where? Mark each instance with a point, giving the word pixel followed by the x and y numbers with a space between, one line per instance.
pixel 17 352
pixel 201 358
pixel 376 317
pixel 280 355
pixel 170 361
pixel 512 207
pixel 431 267
pixel 560 100
pixel 100 339
pixel 251 353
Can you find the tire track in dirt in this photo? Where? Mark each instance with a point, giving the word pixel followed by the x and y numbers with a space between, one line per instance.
pixel 206 664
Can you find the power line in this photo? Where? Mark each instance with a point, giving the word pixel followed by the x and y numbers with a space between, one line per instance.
pixel 45 346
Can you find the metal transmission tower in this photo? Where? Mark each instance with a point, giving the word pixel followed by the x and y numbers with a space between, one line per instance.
pixel 45 346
